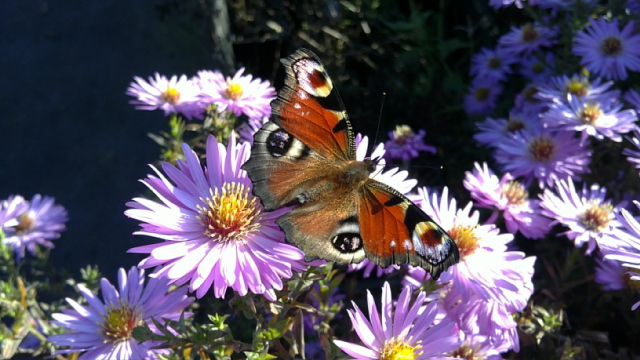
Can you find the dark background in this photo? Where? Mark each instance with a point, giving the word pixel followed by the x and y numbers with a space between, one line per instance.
pixel 67 129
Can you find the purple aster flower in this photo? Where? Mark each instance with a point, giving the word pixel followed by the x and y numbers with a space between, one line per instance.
pixel 562 88
pixel 633 6
pixel 493 65
pixel 633 156
pixel 547 156
pixel 248 130
pixel 215 233
pixel 529 104
pixel 368 267
pixel 103 328
pixel 496 4
pixel 493 131
pixel 509 196
pixel 632 98
pixel 239 94
pixel 482 96
pixel 607 51
pixel 591 118
pixel 27 224
pixel 588 214
pixel 526 39
pixel 175 95
pixel 629 253
pixel 408 330
pixel 405 144
pixel 611 275
pixel 537 67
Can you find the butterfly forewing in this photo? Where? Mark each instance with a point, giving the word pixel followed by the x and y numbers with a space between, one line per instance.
pixel 310 108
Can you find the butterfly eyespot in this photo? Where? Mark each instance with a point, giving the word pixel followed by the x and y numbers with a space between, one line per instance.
pixel 279 142
pixel 347 242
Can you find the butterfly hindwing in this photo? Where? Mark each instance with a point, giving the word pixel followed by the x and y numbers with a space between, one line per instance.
pixel 327 230
pixel 396 231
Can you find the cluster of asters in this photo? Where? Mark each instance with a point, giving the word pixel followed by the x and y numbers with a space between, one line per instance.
pixel 549 136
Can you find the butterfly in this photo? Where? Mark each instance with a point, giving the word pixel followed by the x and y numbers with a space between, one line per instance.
pixel 305 156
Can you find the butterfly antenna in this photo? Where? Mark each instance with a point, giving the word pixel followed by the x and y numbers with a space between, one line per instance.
pixel 375 139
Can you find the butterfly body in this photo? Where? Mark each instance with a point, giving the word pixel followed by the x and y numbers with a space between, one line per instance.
pixel 305 157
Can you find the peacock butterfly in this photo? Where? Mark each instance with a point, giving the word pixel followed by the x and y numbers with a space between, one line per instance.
pixel 305 156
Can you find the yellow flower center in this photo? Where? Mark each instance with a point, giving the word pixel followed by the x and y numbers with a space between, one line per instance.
pixel 229 214
pixel 515 193
pixel 596 216
pixel 396 349
pixel 481 94
pixel 234 91
pixel 529 33
pixel 466 239
pixel 542 148
pixel 590 114
pixel 402 133
pixel 171 96
pixel 578 86
pixel 611 46
pixel 120 321
pixel 25 223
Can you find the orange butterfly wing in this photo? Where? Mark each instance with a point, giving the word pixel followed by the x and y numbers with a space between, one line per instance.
pixel 396 231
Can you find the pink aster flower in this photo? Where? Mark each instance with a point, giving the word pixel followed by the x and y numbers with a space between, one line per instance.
pixel 215 233
pixel 607 51
pixel 628 254
pixel 547 156
pixel 526 39
pixel 476 347
pixel 405 144
pixel 408 330
pixel 103 328
pixel 589 215
pixel 511 198
pixel 595 118
pixel 27 224
pixel 479 245
pixel 175 95
pixel 239 94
